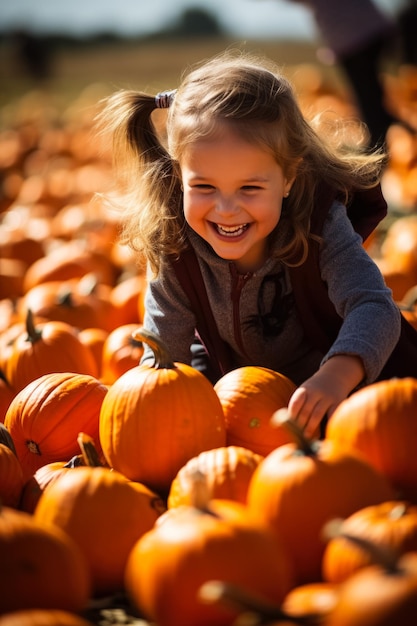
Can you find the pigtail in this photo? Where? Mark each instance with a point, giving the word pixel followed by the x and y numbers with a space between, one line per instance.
pixel 147 177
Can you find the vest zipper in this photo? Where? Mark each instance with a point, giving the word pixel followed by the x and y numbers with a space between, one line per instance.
pixel 238 282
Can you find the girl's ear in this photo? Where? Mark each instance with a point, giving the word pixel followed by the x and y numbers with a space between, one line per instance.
pixel 291 175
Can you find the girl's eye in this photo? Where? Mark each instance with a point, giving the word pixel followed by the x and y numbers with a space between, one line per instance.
pixel 203 187
pixel 251 188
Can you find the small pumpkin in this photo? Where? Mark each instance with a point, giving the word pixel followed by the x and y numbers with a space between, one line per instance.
pixel 40 567
pixel 391 524
pixel 81 302
pixel 382 594
pixel 45 417
pixel 156 417
pixel 300 485
pixel 46 348
pixel 228 471
pixel 104 514
pixel 249 396
pixel 121 352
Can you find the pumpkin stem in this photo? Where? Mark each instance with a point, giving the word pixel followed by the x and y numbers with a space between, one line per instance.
pixel 89 450
pixel 255 610
pixel 162 359
pixel 199 491
pixel 398 511
pixel 65 298
pixel 33 334
pixel 381 555
pixel 304 444
pixel 87 285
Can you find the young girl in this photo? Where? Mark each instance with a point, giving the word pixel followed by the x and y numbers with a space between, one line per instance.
pixel 235 186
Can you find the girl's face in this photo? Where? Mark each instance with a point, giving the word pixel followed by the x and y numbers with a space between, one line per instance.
pixel 233 193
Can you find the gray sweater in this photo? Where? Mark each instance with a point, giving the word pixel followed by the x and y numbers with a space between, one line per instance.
pixel 256 313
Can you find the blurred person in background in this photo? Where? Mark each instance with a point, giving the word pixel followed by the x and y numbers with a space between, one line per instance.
pixel 359 36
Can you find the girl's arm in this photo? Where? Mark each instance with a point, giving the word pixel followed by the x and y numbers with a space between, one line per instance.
pixel 370 329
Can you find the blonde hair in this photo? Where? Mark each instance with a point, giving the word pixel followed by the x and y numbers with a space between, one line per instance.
pixel 251 94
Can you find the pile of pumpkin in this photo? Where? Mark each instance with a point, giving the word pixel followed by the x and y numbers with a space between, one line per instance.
pixel 202 505
pixel 194 505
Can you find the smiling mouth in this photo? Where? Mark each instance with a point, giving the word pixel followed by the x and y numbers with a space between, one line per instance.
pixel 231 231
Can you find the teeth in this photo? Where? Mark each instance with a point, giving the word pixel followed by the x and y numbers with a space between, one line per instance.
pixel 231 230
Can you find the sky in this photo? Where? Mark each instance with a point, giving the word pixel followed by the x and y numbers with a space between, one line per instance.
pixel 244 18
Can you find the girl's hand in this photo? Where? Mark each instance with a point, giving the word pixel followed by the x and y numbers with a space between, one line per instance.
pixel 319 395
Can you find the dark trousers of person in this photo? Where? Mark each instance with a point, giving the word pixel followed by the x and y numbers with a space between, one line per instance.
pixel 363 69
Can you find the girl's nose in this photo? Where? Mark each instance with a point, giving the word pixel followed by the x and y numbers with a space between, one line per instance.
pixel 226 205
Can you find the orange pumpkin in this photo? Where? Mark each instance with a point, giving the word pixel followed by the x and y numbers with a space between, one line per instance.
pixel 11 477
pixel 94 339
pixel 120 353
pixel 379 422
pixel 190 546
pixel 40 567
pixel 45 417
pixel 378 595
pixel 104 514
pixel 125 297
pixel 301 485
pixel 391 524
pixel 43 617
pixel 35 485
pixel 6 396
pixel 249 396
pixel 70 260
pixel 399 248
pixel 227 472
pixel 156 417
pixel 44 349
pixel 317 599
pixel 81 302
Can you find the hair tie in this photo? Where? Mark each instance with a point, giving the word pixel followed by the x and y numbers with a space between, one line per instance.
pixel 163 100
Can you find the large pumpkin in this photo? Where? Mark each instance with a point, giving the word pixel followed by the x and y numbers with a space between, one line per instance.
pixel 379 422
pixel 40 567
pixel 190 546
pixel 45 417
pixel 104 514
pixel 299 486
pixel 249 396
pixel 157 417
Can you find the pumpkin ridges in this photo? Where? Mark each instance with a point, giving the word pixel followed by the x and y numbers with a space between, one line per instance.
pixel 49 412
pixel 227 471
